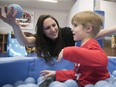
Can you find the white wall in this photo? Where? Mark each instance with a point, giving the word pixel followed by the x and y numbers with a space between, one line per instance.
pixel 80 5
pixel 108 7
pixel 110 12
pixel 64 18
pixel 59 15
pixel 73 11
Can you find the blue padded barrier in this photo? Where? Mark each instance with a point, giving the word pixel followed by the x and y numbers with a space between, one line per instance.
pixel 14 69
pixel 14 48
pixel 64 64
pixel 19 68
pixel 111 64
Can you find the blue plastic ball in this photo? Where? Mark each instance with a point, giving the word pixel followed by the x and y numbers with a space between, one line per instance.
pixel 109 80
pixel 114 73
pixel 40 80
pixel 89 85
pixel 29 80
pixel 54 83
pixel 114 80
pixel 23 85
pixel 17 83
pixel 31 85
pixel 71 83
pixel 17 8
pixel 109 85
pixel 101 83
pixel 7 85
pixel 114 83
pixel 59 85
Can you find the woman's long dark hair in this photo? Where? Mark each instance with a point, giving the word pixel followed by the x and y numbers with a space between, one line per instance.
pixel 45 47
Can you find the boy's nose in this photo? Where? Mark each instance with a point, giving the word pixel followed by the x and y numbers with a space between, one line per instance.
pixel 72 29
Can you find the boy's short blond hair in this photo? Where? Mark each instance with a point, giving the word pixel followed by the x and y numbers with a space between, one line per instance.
pixel 86 18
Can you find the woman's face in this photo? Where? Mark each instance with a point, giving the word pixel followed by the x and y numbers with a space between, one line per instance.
pixel 50 28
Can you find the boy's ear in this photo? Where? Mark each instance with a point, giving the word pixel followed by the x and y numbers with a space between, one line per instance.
pixel 89 28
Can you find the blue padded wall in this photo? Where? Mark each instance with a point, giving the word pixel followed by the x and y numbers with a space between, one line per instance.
pixel 15 70
pixel 14 48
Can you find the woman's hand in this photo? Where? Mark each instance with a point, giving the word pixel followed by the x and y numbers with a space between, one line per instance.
pixel 60 56
pixel 9 16
pixel 48 73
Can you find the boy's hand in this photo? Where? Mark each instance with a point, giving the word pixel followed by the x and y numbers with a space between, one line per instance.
pixel 60 56
pixel 48 73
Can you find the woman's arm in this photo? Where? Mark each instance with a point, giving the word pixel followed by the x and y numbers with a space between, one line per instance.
pixel 22 38
pixel 10 19
pixel 106 32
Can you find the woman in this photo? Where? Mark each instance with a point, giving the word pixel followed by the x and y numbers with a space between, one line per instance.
pixel 49 38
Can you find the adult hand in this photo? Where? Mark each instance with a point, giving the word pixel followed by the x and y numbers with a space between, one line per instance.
pixel 48 73
pixel 9 16
pixel 60 56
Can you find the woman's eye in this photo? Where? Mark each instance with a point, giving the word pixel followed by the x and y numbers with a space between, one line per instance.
pixel 53 25
pixel 47 28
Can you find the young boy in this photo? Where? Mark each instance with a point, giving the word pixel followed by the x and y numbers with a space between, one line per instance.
pixel 90 59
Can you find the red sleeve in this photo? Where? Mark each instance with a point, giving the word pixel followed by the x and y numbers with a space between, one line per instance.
pixel 62 75
pixel 92 55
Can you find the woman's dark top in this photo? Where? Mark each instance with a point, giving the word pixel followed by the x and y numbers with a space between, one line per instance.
pixel 53 48
pixel 67 36
pixel 65 39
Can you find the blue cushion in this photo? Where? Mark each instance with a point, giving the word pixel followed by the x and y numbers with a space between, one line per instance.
pixel 21 68
pixel 111 64
pixel 14 48
pixel 14 69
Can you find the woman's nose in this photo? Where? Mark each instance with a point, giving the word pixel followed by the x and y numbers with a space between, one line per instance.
pixel 52 29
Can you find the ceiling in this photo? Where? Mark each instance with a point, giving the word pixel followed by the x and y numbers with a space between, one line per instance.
pixel 111 0
pixel 62 5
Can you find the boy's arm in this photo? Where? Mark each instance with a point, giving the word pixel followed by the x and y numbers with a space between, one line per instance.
pixel 106 32
pixel 60 75
pixel 85 56
pixel 63 75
